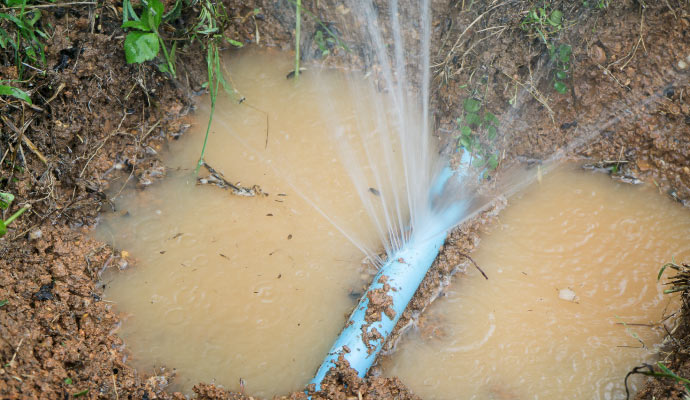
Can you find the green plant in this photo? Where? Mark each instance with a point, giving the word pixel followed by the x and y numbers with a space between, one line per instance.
pixel 665 372
pixel 545 23
pixel 323 43
pixel 22 34
pixel 212 21
pixel 3 303
pixel 560 57
pixel 600 4
pixel 14 92
pixel 478 132
pixel 6 200
pixel 679 282
pixel 144 44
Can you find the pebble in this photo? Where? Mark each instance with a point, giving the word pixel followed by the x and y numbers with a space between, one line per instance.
pixel 682 65
pixel 643 165
pixel 567 295
pixel 35 235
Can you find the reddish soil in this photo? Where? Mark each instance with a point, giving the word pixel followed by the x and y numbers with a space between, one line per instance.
pixel 99 123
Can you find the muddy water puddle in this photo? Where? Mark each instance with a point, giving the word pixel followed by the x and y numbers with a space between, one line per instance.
pixel 253 288
pixel 570 259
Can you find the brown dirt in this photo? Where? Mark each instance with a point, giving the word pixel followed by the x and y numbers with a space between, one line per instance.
pixel 99 124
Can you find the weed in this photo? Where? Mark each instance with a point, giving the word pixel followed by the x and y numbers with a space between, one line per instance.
pixel 144 44
pixel 324 43
pixel 22 34
pixel 600 4
pixel 6 200
pixel 3 303
pixel 545 23
pixel 665 372
pixel 211 23
pixel 679 282
pixel 560 57
pixel 68 381
pixel 478 131
pixel 14 92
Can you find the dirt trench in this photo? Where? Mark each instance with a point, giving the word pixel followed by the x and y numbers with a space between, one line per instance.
pixel 99 124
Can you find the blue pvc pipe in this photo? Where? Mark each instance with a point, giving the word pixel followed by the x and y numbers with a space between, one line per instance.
pixel 403 273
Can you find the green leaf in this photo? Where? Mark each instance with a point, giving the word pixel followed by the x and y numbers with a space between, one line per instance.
pixel 564 53
pixel 83 392
pixel 473 119
pixel 141 25
pixel 561 75
pixel 20 24
pixel 560 87
pixel 478 162
pixel 466 131
pixel 493 162
pixel 492 132
pixel 5 200
pixel 661 271
pixel 128 11
pixel 155 11
pixel 140 47
pixel 556 18
pixel 14 92
pixel 163 67
pixel 3 228
pixel 234 42
pixel 489 117
pixel 458 121
pixel 68 381
pixel 666 370
pixel 471 105
pixel 465 142
pixel 3 303
pixel 175 12
pixel 34 16
pixel 6 38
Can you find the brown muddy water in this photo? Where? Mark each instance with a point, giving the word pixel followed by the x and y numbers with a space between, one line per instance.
pixel 570 260
pixel 226 288
pixel 254 288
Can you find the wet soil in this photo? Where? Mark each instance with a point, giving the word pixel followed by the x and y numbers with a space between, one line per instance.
pixel 99 123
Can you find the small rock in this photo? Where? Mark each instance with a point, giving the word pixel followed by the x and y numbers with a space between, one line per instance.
pixel 686 170
pixel 643 165
pixel 682 65
pixel 45 292
pixel 35 235
pixel 122 264
pixel 567 295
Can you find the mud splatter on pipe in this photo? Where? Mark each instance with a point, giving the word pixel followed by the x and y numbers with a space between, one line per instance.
pixel 381 306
